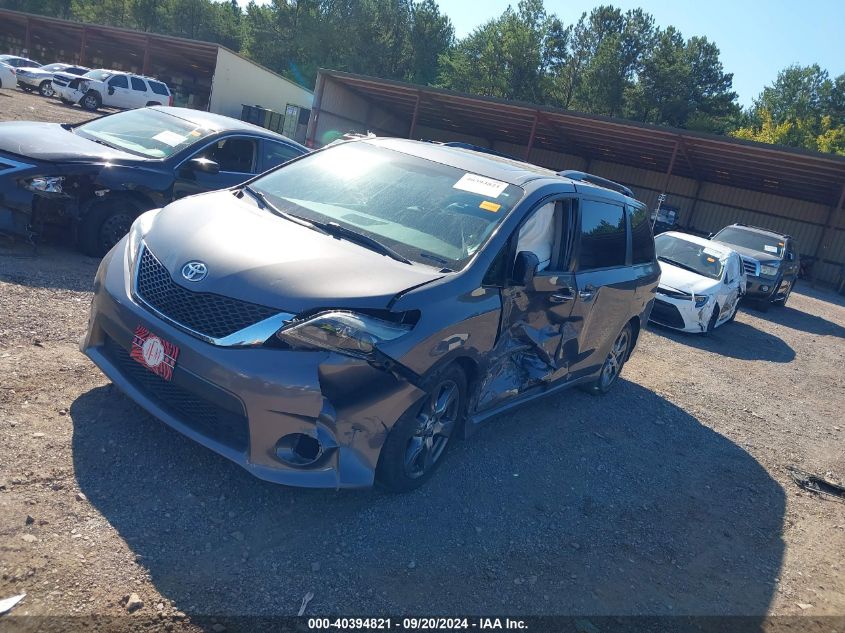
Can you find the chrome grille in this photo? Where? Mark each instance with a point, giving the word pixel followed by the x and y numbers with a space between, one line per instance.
pixel 209 315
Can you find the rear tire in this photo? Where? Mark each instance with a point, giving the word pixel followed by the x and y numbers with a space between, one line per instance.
pixel 417 442
pixel 46 89
pixel 613 364
pixel 105 224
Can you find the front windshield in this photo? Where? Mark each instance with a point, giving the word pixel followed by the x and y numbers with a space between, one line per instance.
pixel 690 256
pixel 98 75
pixel 751 239
pixel 149 133
pixel 428 212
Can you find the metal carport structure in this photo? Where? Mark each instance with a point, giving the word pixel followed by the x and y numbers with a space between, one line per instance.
pixel 712 180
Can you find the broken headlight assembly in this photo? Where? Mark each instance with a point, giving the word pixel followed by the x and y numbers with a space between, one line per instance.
pixel 45 184
pixel 701 300
pixel 348 333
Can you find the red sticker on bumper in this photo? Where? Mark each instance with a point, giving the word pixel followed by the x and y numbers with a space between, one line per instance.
pixel 154 353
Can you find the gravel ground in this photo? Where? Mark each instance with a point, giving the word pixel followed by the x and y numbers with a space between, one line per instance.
pixel 668 496
pixel 17 105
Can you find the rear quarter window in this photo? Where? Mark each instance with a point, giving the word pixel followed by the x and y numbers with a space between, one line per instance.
pixel 642 241
pixel 603 241
pixel 159 88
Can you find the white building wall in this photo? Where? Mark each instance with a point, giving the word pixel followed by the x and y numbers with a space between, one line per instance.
pixel 239 82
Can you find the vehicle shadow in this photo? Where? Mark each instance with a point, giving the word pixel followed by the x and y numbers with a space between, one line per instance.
pixel 624 504
pixel 797 319
pixel 735 340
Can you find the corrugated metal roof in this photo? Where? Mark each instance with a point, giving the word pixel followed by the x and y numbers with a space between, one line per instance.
pixel 771 169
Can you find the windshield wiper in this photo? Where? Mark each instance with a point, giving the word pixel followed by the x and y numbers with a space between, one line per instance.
pixel 264 203
pixel 680 265
pixel 335 229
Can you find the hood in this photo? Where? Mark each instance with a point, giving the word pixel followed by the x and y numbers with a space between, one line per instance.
pixel 760 256
pixel 681 279
pixel 51 142
pixel 258 257
pixel 35 72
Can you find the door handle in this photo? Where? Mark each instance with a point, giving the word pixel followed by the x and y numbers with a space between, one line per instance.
pixel 559 298
pixel 587 293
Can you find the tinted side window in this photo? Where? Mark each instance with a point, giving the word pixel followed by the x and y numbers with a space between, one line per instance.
pixel 603 238
pixel 138 84
pixel 277 153
pixel 232 154
pixel 119 81
pixel 158 88
pixel 642 242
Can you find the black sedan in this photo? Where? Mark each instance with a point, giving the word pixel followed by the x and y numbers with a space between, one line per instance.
pixel 97 177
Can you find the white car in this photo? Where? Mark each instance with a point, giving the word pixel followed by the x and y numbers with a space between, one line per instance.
pixel 112 89
pixel 7 76
pixel 701 283
pixel 41 78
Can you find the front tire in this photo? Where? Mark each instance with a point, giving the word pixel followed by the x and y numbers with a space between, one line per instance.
pixel 782 302
pixel 105 224
pixel 46 89
pixel 416 443
pixel 612 367
pixel 91 101
pixel 714 318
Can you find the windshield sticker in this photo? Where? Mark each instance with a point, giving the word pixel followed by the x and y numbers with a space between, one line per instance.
pixel 487 187
pixel 169 138
pixel 770 249
pixel 489 206
pixel 711 259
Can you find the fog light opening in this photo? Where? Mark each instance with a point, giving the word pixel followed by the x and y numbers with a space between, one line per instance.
pixel 764 288
pixel 299 449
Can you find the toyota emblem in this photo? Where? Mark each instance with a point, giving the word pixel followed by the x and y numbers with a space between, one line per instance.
pixel 194 271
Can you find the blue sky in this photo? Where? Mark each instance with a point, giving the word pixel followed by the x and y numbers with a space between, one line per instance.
pixel 757 38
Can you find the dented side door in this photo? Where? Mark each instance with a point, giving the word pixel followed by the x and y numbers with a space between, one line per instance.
pixel 538 336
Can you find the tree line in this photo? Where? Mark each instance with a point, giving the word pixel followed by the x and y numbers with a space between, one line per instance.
pixel 608 62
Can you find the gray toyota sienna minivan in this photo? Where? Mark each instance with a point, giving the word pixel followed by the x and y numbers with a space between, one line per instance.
pixel 340 319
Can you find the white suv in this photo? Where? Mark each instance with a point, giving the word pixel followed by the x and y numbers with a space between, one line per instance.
pixel 113 89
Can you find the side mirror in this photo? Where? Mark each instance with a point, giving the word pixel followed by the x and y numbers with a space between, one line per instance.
pixel 525 267
pixel 111 90
pixel 204 165
pixel 790 257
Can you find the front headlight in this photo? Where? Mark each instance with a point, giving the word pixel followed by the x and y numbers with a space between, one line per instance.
pixel 140 227
pixel 345 332
pixel 769 271
pixel 45 184
pixel 701 300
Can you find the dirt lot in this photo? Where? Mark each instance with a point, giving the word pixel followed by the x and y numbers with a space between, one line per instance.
pixel 17 105
pixel 668 496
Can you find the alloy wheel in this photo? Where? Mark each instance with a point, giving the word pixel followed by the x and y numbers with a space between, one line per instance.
pixel 46 89
pixel 435 424
pixel 615 358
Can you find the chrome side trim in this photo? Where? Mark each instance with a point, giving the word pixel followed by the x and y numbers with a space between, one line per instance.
pixel 254 335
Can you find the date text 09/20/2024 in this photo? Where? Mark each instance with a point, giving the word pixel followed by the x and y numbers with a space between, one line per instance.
pixel 416 623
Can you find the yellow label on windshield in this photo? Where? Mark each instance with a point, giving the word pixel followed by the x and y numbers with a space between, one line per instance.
pixel 490 206
pixel 711 260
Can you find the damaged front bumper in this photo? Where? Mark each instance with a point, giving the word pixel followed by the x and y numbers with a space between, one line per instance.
pixel 301 418
pixel 680 313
